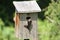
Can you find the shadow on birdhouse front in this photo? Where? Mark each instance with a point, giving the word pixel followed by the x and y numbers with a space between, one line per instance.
pixel 29 24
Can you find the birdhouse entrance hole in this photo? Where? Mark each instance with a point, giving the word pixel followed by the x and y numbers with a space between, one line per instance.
pixel 28 18
pixel 26 39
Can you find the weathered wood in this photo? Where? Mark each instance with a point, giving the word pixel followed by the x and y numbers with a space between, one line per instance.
pixel 27 19
pixel 17 24
pixel 22 32
pixel 34 26
pixel 25 30
pixel 26 6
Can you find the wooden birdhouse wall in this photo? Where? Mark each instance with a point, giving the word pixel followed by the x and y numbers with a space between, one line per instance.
pixel 26 20
pixel 22 31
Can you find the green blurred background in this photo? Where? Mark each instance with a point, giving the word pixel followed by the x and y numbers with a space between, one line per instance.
pixel 48 20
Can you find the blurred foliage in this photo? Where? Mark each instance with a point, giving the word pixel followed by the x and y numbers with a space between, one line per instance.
pixel 48 20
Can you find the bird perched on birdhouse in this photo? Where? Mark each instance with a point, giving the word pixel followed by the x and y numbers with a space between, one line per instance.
pixel 26 19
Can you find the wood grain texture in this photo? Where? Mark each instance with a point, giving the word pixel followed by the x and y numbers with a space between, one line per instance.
pixel 16 19
pixel 23 32
pixel 26 6
pixel 26 9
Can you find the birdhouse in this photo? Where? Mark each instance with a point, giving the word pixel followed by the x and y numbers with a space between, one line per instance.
pixel 26 19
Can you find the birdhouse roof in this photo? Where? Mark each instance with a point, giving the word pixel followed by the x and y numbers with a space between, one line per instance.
pixel 26 6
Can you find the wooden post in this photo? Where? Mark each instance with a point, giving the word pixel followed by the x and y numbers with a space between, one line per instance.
pixel 26 19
